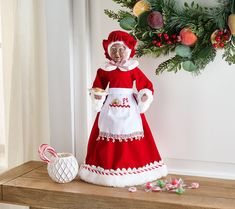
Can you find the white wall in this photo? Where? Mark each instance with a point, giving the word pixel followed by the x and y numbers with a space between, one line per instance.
pixel 192 118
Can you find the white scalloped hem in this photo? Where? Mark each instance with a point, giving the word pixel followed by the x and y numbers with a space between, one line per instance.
pixel 120 137
pixel 124 177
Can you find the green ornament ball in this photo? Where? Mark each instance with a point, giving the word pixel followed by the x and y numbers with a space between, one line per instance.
pixel 127 23
pixel 189 66
pixel 183 51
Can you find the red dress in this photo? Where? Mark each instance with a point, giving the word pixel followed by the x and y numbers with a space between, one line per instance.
pixel 117 162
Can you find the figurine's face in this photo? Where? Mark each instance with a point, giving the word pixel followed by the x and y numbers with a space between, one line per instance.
pixel 118 52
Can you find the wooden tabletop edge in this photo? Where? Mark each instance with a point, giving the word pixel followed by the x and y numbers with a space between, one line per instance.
pixel 19 171
pixel 14 196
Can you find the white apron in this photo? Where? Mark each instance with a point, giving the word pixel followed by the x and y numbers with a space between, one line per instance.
pixel 120 116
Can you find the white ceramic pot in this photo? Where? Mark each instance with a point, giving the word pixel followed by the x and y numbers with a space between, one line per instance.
pixel 63 168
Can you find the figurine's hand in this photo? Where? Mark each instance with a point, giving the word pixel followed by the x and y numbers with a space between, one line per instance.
pixel 144 98
pixel 99 97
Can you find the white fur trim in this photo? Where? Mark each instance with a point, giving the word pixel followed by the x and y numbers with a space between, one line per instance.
pixel 128 65
pixel 128 50
pixel 123 177
pixel 143 106
pixel 97 103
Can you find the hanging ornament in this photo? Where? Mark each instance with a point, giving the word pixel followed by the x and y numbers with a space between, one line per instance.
pixel 219 38
pixel 155 20
pixel 231 19
pixel 231 23
pixel 187 37
pixel 140 7
pixel 127 23
pixel 189 66
pixel 183 51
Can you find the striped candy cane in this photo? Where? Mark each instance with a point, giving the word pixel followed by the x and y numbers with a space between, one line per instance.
pixel 43 149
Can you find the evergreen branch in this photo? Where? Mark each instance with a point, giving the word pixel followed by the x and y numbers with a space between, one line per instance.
pixel 111 14
pixel 229 53
pixel 154 51
pixel 219 15
pixel 173 64
pixel 156 5
pixel 126 3
pixel 233 7
pixel 193 17
pixel 203 56
pixel 117 15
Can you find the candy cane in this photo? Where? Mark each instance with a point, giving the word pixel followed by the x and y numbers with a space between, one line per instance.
pixel 49 150
pixel 43 148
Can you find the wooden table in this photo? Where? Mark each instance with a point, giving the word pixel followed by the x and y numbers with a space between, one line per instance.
pixel 29 184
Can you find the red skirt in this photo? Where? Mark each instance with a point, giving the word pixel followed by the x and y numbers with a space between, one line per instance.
pixel 122 163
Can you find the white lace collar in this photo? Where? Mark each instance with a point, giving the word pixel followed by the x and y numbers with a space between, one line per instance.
pixel 123 66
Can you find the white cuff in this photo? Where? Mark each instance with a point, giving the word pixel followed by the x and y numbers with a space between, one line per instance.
pixel 143 106
pixel 97 104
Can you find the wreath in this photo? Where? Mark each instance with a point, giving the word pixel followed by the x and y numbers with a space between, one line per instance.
pixel 192 31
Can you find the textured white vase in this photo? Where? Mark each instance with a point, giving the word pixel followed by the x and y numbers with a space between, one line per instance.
pixel 63 169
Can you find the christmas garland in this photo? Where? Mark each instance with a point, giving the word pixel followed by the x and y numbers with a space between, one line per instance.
pixel 193 32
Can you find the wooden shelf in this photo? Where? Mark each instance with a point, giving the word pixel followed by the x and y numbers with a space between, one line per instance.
pixel 29 184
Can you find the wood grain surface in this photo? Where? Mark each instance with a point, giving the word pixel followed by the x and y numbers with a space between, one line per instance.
pixel 16 172
pixel 36 189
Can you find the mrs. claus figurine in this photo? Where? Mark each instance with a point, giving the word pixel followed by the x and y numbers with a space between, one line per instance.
pixel 121 149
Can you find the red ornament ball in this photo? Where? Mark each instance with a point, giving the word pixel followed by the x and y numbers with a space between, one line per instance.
pixel 187 37
pixel 226 37
pixel 169 42
pixel 159 44
pixel 221 44
pixel 174 36
pixel 218 38
pixel 215 45
pixel 155 20
pixel 154 42
pixel 166 36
